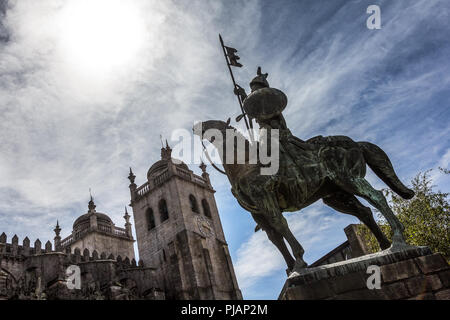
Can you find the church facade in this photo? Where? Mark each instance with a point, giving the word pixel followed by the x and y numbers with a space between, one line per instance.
pixel 183 253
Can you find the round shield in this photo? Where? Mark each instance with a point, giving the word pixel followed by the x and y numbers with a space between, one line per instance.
pixel 265 103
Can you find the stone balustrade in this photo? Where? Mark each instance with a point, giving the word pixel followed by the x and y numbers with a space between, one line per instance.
pixel 166 175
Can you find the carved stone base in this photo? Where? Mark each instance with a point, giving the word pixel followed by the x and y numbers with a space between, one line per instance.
pixel 412 273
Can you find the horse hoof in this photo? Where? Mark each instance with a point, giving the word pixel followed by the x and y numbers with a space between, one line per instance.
pixel 385 245
pixel 289 271
pixel 299 266
pixel 396 247
pixel 399 245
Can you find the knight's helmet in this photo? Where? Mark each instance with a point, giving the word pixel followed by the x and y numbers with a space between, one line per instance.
pixel 260 81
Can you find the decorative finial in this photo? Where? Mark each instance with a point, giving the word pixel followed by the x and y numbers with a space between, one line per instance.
pixel 202 166
pixel 57 228
pixel 127 223
pixel 91 205
pixel 126 216
pixel 205 175
pixel 166 153
pixel 131 176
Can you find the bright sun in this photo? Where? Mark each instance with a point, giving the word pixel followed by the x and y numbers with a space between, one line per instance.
pixel 101 35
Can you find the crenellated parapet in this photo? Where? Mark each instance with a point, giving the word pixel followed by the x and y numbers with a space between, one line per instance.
pixel 15 250
pixel 86 256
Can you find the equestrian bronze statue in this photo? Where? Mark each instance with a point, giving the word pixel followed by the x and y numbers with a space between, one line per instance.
pixel 328 168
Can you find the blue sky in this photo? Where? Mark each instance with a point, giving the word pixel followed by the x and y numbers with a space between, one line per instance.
pixel 76 115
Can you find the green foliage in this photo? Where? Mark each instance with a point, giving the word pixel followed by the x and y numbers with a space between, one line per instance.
pixel 425 217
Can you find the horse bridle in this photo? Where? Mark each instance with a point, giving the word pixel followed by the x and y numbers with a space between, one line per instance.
pixel 209 159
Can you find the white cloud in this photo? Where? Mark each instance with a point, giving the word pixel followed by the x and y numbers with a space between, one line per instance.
pixel 66 127
pixel 257 258
pixel 439 179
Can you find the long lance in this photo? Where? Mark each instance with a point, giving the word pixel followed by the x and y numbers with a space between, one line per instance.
pixel 236 87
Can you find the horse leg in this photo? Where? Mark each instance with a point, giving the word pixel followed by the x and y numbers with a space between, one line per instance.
pixel 347 203
pixel 279 223
pixel 361 187
pixel 276 239
pixel 263 195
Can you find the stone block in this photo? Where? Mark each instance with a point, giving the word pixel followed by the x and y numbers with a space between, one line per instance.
pixel 445 278
pixel 432 263
pixel 348 282
pixel 424 296
pixel 394 291
pixel 314 291
pixel 423 284
pixel 443 295
pixel 361 294
pixel 402 278
pixel 399 270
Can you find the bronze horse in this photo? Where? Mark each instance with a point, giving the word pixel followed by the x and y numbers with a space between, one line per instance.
pixel 330 168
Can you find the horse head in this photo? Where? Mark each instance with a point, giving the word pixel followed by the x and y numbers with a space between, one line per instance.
pixel 200 128
pixel 222 135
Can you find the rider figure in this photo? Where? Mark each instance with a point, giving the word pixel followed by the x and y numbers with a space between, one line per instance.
pixel 275 121
pixel 265 105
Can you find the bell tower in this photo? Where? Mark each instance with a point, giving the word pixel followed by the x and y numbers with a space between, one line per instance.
pixel 179 232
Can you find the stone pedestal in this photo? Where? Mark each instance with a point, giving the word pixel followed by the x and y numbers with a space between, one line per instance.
pixel 414 273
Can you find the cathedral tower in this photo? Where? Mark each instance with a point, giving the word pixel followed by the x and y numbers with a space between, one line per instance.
pixel 179 232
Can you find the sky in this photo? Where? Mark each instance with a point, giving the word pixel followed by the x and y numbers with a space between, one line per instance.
pixel 88 87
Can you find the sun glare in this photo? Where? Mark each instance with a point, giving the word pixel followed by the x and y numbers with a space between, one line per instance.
pixel 101 35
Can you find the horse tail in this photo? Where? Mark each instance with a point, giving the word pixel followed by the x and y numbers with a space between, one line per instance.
pixel 379 162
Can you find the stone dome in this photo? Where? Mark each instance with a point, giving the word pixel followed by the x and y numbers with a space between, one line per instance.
pixel 159 166
pixel 102 218
pixel 85 219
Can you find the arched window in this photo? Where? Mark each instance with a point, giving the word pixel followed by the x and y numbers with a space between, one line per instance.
pixel 163 212
pixel 150 219
pixel 206 210
pixel 193 201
